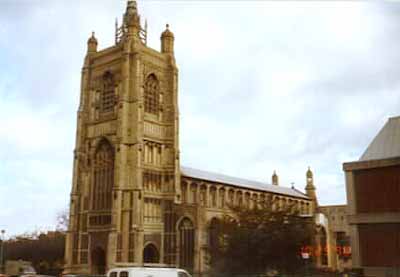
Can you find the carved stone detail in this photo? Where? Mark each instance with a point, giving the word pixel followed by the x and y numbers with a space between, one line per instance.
pixel 102 129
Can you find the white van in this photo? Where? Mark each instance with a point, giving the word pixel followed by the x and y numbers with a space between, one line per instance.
pixel 147 272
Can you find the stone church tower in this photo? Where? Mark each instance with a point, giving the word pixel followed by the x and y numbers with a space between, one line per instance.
pixel 126 173
pixel 131 201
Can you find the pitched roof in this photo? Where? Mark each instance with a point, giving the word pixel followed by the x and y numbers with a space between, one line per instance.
pixel 238 182
pixel 386 144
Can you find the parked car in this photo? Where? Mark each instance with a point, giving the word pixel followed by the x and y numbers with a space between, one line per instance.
pixel 147 272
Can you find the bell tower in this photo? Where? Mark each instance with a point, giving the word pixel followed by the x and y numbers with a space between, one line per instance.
pixel 126 173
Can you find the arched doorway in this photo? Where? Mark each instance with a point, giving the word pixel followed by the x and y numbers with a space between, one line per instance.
pixel 151 254
pixel 98 259
pixel 186 244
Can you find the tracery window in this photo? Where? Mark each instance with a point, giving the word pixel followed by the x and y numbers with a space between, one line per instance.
pixel 152 95
pixel 103 176
pixel 107 98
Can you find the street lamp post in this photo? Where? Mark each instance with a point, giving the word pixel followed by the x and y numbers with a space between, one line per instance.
pixel 2 251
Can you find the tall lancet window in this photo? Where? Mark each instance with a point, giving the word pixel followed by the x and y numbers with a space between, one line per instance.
pixel 103 176
pixel 152 95
pixel 107 101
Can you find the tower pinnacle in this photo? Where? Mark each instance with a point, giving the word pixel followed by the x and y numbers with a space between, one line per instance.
pixel 275 179
pixel 92 44
pixel 167 41
pixel 131 19
pixel 130 26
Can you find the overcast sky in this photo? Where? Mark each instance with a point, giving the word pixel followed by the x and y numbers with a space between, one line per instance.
pixel 263 86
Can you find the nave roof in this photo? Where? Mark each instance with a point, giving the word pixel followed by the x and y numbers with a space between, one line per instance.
pixel 239 182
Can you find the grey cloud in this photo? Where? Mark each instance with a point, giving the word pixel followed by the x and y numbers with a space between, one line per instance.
pixel 263 86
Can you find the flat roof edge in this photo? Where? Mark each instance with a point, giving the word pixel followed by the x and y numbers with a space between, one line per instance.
pixel 359 165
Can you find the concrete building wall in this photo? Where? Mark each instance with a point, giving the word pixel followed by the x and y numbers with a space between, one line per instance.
pixel 373 215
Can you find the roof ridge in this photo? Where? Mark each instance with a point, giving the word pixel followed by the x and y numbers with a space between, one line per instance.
pixel 299 191
pixel 226 175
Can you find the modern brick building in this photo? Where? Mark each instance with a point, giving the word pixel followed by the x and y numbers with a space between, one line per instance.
pixel 373 192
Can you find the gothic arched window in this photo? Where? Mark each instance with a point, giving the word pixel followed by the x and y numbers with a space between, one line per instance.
pixel 103 176
pixel 107 100
pixel 152 95
pixel 186 244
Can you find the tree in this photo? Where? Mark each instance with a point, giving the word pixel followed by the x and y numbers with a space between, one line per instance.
pixel 44 250
pixel 62 221
pixel 260 239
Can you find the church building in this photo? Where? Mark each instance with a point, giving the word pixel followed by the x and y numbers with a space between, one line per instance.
pixel 132 203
